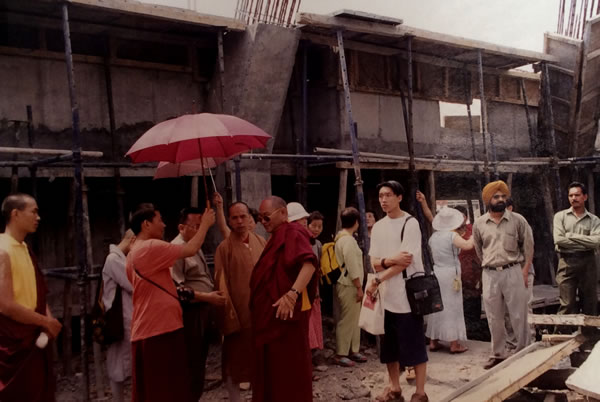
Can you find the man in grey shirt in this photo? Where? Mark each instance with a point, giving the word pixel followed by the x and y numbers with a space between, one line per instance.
pixel 193 272
pixel 576 237
pixel 504 242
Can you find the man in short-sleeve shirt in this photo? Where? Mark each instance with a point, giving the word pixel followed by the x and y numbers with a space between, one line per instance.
pixel 504 242
pixel 403 343
pixel 160 371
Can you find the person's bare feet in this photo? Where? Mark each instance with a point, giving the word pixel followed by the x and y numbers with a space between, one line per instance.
pixel 434 345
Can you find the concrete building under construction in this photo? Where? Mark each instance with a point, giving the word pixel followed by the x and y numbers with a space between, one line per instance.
pixel 312 85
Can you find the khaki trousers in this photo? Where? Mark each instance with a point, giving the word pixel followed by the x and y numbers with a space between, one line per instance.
pixel 500 289
pixel 347 331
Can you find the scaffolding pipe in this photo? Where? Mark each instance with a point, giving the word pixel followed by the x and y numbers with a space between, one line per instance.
pixel 484 123
pixel 550 125
pixel 303 190
pixel 364 234
pixel 468 101
pixel 409 131
pixel 43 151
pixel 532 139
pixel 78 175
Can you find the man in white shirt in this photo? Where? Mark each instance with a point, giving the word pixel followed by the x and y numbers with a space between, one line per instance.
pixel 396 246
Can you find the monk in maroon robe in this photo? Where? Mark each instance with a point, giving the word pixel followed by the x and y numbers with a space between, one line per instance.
pixel 25 369
pixel 283 285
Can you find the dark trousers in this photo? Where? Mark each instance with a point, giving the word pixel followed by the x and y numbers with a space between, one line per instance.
pixel 159 370
pixel 196 328
pixel 577 276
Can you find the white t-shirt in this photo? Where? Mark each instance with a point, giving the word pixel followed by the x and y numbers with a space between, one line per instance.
pixel 386 242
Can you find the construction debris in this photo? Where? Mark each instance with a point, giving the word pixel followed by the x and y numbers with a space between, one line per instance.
pixel 585 379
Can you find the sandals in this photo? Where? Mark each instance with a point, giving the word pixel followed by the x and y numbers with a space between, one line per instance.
pixel 461 349
pixel 389 395
pixel 343 361
pixel 435 348
pixel 358 357
pixel 410 374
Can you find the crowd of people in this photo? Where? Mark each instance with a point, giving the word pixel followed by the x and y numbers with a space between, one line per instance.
pixel 265 298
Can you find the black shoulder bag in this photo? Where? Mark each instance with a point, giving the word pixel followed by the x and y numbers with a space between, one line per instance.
pixel 107 325
pixel 422 288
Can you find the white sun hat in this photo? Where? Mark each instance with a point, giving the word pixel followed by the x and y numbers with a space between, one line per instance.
pixel 296 211
pixel 448 219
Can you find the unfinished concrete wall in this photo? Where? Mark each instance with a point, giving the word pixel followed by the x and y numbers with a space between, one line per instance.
pixel 381 127
pixel 508 122
pixel 258 66
pixel 141 98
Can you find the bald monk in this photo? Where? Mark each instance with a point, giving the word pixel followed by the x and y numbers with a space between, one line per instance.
pixel 282 286
pixel 234 260
pixel 504 244
pixel 25 369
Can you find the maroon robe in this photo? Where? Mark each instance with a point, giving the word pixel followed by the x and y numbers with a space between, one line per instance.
pixel 283 367
pixel 25 370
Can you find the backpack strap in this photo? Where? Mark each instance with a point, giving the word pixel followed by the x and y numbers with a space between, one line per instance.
pixel 404 275
pixel 155 284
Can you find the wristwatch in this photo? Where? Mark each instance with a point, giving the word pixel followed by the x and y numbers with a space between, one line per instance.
pixel 383 264
pixel 377 281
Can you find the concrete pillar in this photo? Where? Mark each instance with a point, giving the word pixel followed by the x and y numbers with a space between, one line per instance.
pixel 258 67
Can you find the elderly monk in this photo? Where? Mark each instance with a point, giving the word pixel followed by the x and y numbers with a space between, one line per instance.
pixel 25 359
pixel 234 259
pixel 283 284
pixel 504 244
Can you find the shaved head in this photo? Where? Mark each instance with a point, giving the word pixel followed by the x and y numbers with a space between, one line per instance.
pixel 276 202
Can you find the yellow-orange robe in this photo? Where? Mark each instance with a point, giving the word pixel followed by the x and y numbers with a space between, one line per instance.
pixel 234 261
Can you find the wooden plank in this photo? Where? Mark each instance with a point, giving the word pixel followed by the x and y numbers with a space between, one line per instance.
pixel 508 379
pixel 449 41
pixel 369 17
pixel 162 12
pixel 47 22
pixel 585 379
pixel 418 57
pixel 561 69
pixel 471 384
pixel 556 338
pixel 47 151
pixel 79 58
pixel 579 320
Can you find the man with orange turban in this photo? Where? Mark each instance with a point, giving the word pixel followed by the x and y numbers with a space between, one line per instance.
pixel 504 243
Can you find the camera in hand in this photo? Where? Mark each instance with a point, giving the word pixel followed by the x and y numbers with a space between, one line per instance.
pixel 185 294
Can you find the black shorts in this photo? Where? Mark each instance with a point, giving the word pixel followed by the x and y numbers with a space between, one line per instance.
pixel 404 339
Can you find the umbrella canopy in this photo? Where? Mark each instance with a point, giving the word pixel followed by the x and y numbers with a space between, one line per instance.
pixel 195 136
pixel 168 169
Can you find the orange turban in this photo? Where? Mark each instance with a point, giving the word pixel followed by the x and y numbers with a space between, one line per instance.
pixel 492 188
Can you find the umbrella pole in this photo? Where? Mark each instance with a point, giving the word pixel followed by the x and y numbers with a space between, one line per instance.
pixel 203 174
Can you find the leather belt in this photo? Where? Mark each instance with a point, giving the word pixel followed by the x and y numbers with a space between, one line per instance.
pixel 503 267
pixel 576 253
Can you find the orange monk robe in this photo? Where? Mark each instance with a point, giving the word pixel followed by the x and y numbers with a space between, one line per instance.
pixel 234 261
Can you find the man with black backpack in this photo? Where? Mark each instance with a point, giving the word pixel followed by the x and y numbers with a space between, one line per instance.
pixel 348 290
pixel 395 247
pixel 117 292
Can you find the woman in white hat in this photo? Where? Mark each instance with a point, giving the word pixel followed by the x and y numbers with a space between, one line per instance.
pixel 445 243
pixel 297 213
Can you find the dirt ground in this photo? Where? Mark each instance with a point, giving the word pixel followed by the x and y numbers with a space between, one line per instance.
pixel 445 372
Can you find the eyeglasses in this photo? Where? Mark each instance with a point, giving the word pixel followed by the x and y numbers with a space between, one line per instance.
pixel 266 218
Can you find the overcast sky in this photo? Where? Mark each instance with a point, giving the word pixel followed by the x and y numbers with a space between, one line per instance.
pixel 516 23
